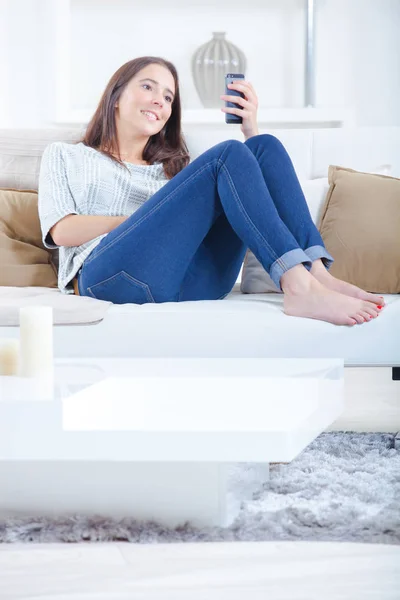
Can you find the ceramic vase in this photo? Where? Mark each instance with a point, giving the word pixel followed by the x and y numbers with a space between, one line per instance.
pixel 211 62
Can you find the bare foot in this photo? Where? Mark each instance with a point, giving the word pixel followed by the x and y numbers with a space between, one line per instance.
pixel 305 296
pixel 337 285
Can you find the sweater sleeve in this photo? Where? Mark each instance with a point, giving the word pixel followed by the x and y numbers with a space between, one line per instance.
pixel 55 200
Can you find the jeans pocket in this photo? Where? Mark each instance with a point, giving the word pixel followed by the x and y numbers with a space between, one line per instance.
pixel 122 288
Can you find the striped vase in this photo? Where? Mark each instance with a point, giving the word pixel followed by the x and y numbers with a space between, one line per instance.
pixel 210 63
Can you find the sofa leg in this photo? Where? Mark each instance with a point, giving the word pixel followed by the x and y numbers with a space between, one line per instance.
pixel 396 373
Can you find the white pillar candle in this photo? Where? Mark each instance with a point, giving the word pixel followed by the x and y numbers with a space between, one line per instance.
pixel 36 341
pixel 9 357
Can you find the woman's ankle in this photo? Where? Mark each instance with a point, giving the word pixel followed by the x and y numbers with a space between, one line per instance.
pixel 297 280
pixel 318 267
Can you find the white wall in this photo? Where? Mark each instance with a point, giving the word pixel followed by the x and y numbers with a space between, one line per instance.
pixel 27 62
pixel 357 51
pixel 376 60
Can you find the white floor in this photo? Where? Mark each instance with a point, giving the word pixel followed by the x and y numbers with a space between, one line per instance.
pixel 209 571
pixel 372 401
pixel 222 571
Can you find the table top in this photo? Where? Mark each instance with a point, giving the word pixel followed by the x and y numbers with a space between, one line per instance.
pixel 88 370
pixel 71 375
pixel 109 409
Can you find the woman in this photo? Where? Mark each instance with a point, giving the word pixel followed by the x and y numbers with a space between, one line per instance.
pixel 136 221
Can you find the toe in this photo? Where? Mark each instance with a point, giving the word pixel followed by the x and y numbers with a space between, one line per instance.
pixel 370 308
pixel 367 317
pixel 378 300
pixel 358 318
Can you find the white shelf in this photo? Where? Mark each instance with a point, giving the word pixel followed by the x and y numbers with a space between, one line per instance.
pixel 276 117
pixel 268 118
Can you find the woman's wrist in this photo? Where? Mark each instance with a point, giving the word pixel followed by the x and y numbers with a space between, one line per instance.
pixel 121 220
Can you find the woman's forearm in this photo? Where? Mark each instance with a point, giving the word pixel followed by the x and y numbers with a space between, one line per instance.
pixel 74 230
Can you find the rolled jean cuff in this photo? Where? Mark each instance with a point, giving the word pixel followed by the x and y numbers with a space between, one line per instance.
pixel 287 261
pixel 315 252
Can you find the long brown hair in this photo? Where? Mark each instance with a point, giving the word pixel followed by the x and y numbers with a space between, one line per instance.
pixel 168 146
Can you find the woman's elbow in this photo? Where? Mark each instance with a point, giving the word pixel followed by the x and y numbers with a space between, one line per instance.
pixel 56 235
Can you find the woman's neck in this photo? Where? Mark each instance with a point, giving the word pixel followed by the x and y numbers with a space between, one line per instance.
pixel 131 147
pixel 134 161
pixel 126 157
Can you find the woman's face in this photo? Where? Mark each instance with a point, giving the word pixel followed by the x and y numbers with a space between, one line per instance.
pixel 141 95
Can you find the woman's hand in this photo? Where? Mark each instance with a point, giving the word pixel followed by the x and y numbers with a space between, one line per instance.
pixel 248 113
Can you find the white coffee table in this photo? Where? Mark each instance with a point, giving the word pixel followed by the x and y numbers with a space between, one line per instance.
pixel 157 438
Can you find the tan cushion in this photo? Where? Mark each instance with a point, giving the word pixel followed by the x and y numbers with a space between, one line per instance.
pixel 23 258
pixel 360 226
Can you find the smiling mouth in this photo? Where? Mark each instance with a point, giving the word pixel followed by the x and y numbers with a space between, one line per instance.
pixel 154 118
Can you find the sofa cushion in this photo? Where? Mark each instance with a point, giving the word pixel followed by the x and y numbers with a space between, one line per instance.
pixel 241 325
pixel 21 153
pixel 360 227
pixel 24 260
pixel 67 308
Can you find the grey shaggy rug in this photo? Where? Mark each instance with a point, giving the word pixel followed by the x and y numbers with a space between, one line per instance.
pixel 344 487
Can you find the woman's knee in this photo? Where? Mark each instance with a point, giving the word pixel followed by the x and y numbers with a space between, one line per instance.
pixel 219 151
pixel 265 138
pixel 268 142
pixel 229 144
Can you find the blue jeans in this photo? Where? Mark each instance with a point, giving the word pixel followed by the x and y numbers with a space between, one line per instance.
pixel 188 241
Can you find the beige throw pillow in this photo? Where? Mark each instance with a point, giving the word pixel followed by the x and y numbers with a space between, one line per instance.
pixel 360 226
pixel 23 258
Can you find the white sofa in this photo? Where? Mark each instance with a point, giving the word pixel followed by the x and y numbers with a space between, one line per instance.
pixel 241 325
